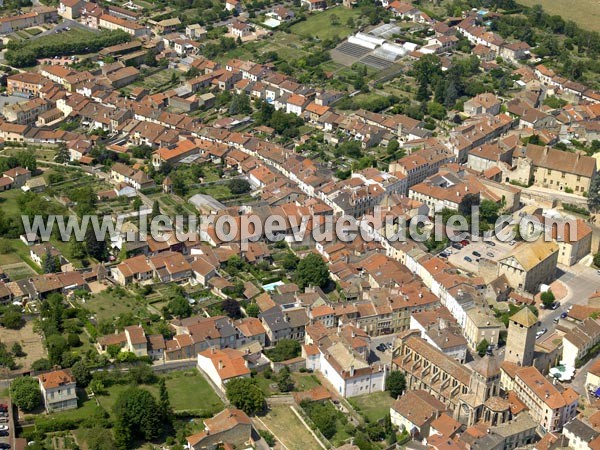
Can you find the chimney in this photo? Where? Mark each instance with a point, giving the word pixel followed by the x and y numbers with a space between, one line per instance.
pixel 220 365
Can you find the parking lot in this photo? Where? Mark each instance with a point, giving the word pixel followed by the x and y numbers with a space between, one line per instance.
pixel 381 349
pixel 7 428
pixel 492 250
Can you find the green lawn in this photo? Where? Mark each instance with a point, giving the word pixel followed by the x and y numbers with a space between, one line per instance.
pixel 109 305
pixel 372 406
pixel 112 393
pixel 188 391
pixel 305 381
pixel 87 407
pixel 191 392
pixel 319 24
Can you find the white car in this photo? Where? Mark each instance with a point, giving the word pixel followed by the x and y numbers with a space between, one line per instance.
pixel 3 427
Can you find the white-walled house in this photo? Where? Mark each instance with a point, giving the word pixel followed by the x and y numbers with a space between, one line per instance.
pixel 349 373
pixel 223 365
pixel 58 390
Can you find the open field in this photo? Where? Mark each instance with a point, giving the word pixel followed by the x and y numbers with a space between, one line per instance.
pixel 29 340
pixel 319 24
pixel 372 406
pixel 110 304
pixel 282 422
pixel 585 13
pixel 189 391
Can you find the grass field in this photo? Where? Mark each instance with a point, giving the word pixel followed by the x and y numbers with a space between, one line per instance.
pixel 372 406
pixel 188 391
pixel 108 305
pixel 191 392
pixel 319 24
pixel 282 422
pixel 305 381
pixel 585 13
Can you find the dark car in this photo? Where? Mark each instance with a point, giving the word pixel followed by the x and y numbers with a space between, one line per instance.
pixel 468 259
pixel 476 253
pixel 492 243
pixel 563 315
pixel 381 347
pixel 457 246
pixel 4 446
pixel 555 306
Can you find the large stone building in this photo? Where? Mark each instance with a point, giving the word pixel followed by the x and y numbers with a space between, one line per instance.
pixel 551 405
pixel 529 265
pixel 470 393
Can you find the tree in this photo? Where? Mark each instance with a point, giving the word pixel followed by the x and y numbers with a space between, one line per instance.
pixel 137 415
pixel 50 263
pixel 25 393
pixel 99 439
pixel 395 384
pixel 150 58
pixel 393 147
pixel 6 358
pixel 164 403
pixel 56 345
pixel 284 349
pixel 95 247
pixel 179 307
pixel 245 394
pixel 97 386
pixel 77 248
pixel 252 310
pixel 239 186
pixel 488 211
pixel 12 318
pixel 41 365
pixel 284 380
pixel 231 308
pixel 312 271
pixel 468 201
pixel 594 194
pixel 82 373
pixel 290 262
pixel 482 347
pixel 17 350
pixel 62 154
pixel 597 260
pixel 155 210
pixel 547 298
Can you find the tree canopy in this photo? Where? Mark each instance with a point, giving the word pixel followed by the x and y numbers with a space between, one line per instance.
pixel 25 393
pixel 395 384
pixel 245 394
pixel 312 271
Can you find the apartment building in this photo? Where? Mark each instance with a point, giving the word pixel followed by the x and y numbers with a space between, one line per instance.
pixel 551 405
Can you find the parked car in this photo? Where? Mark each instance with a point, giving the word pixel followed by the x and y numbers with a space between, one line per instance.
pixel 490 254
pixel 563 315
pixel 556 320
pixel 464 242
pixel 3 427
pixel 4 446
pixel 555 306
pixel 468 259
pixel 540 333
pixel 457 245
pixel 381 347
pixel 476 253
pixel 491 243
